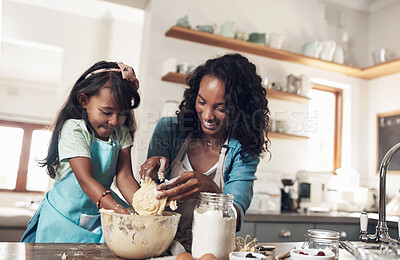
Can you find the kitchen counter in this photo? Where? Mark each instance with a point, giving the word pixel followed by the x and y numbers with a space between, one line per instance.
pixel 315 217
pixel 292 226
pixel 44 251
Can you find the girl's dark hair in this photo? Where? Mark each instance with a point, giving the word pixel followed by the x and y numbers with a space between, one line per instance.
pixel 246 105
pixel 125 95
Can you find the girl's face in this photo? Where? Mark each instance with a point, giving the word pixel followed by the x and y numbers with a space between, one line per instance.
pixel 102 113
pixel 210 106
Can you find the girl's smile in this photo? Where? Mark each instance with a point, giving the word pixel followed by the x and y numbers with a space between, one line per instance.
pixel 108 129
pixel 102 113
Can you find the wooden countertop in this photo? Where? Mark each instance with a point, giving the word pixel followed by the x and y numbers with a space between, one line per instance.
pixel 44 251
pixel 47 251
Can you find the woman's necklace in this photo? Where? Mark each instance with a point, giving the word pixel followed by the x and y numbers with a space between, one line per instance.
pixel 207 142
pixel 214 143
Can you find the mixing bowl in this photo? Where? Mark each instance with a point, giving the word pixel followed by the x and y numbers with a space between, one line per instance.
pixel 138 237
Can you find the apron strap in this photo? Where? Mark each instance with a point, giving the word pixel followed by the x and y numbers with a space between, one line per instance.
pixel 183 148
pixel 221 163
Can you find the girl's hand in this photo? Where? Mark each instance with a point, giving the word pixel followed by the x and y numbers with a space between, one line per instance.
pixel 154 167
pixel 108 202
pixel 187 186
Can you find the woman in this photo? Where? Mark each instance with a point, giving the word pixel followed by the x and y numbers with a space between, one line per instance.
pixel 216 140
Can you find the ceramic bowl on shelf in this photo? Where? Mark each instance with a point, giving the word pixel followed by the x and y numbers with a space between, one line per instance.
pixel 312 254
pixel 259 38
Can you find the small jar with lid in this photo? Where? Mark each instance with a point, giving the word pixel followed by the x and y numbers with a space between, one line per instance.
pixel 214 225
pixel 322 239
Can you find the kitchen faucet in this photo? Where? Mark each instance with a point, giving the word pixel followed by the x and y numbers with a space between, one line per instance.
pixel 382 234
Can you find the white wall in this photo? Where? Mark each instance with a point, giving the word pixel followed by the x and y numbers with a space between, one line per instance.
pixel 383 93
pixel 84 31
pixel 380 36
pixel 29 86
pixel 383 97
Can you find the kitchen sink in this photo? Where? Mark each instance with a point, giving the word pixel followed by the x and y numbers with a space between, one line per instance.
pixel 368 251
pixel 377 251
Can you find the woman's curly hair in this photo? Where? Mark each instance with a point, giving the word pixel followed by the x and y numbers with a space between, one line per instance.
pixel 246 105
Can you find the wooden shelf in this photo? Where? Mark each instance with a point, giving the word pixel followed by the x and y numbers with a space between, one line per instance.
pixel 175 77
pixel 265 51
pixel 287 136
pixel 276 94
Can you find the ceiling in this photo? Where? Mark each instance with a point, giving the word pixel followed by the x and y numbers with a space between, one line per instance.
pixel 140 4
pixel 369 6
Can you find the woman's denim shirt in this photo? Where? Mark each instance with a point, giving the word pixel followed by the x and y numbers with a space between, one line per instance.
pixel 239 173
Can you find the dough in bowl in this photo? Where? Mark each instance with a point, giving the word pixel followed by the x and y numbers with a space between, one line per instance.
pixel 144 200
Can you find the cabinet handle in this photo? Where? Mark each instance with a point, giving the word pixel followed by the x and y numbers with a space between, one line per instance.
pixel 285 233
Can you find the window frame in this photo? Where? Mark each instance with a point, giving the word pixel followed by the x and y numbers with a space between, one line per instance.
pixel 22 175
pixel 337 142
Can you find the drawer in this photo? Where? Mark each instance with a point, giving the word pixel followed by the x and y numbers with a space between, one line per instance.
pixel 282 232
pixel 247 229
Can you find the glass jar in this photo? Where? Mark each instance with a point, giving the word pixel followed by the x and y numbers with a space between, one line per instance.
pixel 214 225
pixel 322 239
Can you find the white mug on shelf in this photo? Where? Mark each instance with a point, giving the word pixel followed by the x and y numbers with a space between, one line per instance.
pixel 305 85
pixel 328 50
pixel 169 65
pixel 275 40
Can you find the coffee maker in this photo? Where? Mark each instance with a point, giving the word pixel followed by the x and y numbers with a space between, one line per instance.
pixel 289 195
pixel 311 187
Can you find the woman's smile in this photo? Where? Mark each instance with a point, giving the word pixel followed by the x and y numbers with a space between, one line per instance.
pixel 209 125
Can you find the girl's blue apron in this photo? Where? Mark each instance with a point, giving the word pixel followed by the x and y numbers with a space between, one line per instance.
pixel 66 214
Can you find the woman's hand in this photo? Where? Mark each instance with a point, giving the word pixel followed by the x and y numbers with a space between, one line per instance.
pixel 154 167
pixel 187 186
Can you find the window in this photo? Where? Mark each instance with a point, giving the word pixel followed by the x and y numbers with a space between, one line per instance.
pixel 23 144
pixel 325 131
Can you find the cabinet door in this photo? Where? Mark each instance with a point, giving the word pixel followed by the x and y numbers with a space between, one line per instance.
pixel 247 229
pixel 282 232
pixel 350 232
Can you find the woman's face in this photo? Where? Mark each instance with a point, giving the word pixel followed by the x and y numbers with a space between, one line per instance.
pixel 102 113
pixel 210 106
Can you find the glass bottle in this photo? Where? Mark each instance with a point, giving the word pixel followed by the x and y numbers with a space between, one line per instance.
pixel 322 239
pixel 214 225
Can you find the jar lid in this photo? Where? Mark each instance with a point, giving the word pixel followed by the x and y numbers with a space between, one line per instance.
pixel 216 195
pixel 323 234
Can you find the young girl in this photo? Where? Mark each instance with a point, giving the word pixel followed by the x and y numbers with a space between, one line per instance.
pixel 91 143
